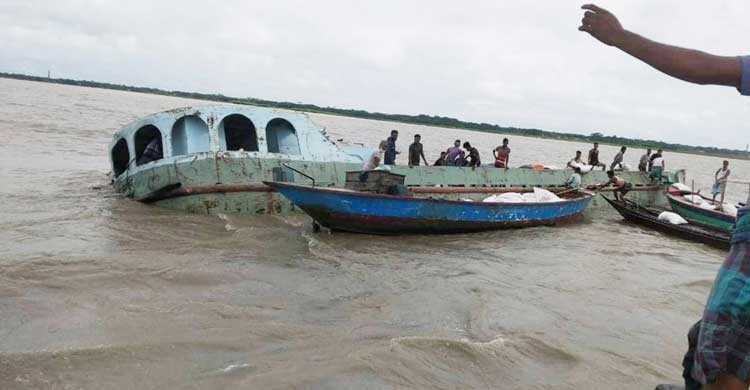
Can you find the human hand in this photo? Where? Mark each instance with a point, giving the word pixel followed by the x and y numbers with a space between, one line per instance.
pixel 601 24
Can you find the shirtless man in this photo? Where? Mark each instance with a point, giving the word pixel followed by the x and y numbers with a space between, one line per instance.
pixel 594 157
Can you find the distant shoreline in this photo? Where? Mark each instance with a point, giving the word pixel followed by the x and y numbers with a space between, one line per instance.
pixel 427 120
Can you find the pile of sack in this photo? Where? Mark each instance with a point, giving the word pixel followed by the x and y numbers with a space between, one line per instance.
pixel 540 195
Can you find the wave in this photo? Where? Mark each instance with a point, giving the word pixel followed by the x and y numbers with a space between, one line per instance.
pixel 520 361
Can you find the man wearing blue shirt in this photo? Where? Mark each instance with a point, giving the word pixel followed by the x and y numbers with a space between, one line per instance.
pixel 719 352
pixel 390 149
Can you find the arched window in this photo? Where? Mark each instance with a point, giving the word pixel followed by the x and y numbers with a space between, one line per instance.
pixel 238 132
pixel 148 145
pixel 189 135
pixel 281 137
pixel 120 157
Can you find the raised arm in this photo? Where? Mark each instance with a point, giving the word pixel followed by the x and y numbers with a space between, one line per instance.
pixel 685 64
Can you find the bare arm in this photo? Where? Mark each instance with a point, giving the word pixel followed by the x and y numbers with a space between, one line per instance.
pixel 685 64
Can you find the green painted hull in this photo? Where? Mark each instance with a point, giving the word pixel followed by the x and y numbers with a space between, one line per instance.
pixel 702 218
pixel 207 169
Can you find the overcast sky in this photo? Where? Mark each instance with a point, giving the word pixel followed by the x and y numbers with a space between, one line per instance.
pixel 514 63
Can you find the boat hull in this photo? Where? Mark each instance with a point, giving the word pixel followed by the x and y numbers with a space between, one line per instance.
pixel 232 182
pixel 381 214
pixel 631 212
pixel 697 215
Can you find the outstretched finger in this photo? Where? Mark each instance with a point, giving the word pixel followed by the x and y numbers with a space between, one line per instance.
pixel 592 7
pixel 585 27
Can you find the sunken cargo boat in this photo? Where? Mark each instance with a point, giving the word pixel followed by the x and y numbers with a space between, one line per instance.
pixel 214 159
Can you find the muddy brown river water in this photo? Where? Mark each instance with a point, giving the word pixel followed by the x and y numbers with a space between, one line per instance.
pixel 100 292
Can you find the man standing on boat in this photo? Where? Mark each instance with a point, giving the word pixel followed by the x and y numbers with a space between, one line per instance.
pixel 721 176
pixel 618 159
pixel 502 155
pixel 416 151
pixel 375 158
pixel 594 157
pixel 720 357
pixel 643 164
pixel 656 165
pixel 390 150
pixel 455 155
pixel 472 160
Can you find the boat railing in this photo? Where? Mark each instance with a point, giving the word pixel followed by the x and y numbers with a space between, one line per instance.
pixel 300 172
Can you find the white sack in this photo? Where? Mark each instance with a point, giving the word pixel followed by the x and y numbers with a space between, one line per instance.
pixel 682 187
pixel 543 195
pixel 672 218
pixel 530 197
pixel 508 197
pixel 730 209
pixel 694 199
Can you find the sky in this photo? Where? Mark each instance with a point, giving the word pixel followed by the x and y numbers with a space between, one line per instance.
pixel 511 63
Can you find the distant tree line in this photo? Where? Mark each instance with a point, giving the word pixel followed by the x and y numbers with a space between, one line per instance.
pixel 431 120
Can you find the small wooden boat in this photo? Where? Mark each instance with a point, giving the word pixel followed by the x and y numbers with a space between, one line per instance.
pixel 697 215
pixel 649 217
pixel 362 212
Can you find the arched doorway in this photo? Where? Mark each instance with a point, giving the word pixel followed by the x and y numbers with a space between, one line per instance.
pixel 237 132
pixel 281 137
pixel 189 135
pixel 148 145
pixel 120 157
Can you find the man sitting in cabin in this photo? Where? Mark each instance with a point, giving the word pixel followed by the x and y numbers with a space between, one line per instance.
pixel 152 152
pixel 594 157
pixel 622 187
pixel 416 151
pixel 472 159
pixel 718 355
pixel 502 155
pixel 574 181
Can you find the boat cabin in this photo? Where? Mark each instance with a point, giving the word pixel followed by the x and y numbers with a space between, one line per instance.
pixel 223 131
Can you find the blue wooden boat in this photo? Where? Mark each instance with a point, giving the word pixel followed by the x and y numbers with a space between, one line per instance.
pixel 362 212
